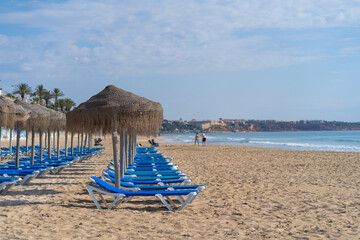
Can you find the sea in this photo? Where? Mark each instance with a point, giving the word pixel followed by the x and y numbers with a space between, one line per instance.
pixel 339 141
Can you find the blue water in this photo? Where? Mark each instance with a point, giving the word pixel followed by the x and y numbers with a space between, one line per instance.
pixel 341 141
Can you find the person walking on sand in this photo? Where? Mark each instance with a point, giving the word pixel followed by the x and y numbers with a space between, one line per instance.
pixel 197 139
pixel 203 139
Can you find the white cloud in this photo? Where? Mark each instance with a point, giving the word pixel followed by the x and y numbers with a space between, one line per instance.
pixel 135 37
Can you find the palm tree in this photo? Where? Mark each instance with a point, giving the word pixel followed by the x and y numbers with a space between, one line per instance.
pixel 36 100
pixel 9 95
pixel 22 89
pixel 40 91
pixel 61 104
pixel 47 96
pixel 56 94
pixel 68 104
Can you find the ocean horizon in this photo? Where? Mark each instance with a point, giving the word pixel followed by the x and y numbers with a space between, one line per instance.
pixel 339 141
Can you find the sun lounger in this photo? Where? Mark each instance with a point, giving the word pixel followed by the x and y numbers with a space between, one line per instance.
pixel 131 186
pixel 26 175
pixel 152 182
pixel 6 183
pixel 123 196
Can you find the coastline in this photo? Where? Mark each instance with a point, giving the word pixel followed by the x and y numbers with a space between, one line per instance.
pixel 252 193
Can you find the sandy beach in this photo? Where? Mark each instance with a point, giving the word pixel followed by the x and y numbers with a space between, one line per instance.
pixel 252 193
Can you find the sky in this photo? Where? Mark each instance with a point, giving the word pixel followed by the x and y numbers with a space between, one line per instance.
pixel 201 59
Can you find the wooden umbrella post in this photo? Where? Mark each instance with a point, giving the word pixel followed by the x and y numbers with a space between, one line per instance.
pixel 41 146
pixel 130 149
pixel 90 141
pixel 10 141
pixel 85 142
pixel 26 141
pixel 54 139
pixel 17 147
pixel 115 153
pixel 49 144
pixel 126 146
pixel 72 143
pixel 122 152
pixel 32 146
pixel 66 143
pixel 58 144
pixel 78 147
pixel 82 141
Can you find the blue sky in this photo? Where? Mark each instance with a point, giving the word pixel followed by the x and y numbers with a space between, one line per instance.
pixel 271 59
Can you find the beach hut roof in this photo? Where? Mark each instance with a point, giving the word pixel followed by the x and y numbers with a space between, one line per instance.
pixel 133 113
pixel 39 117
pixel 7 112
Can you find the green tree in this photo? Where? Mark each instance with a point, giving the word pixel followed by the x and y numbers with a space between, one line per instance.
pixel 37 100
pixel 47 96
pixel 56 94
pixel 68 104
pixel 9 95
pixel 61 104
pixel 40 91
pixel 22 89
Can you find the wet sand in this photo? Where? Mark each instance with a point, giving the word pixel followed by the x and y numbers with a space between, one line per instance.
pixel 252 193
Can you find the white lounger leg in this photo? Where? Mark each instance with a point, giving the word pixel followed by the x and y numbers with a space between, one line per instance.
pixel 117 197
pixel 190 198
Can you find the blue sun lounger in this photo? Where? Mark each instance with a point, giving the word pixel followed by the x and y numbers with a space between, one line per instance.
pixel 123 196
pixel 148 182
pixel 26 175
pixel 6 183
pixel 131 186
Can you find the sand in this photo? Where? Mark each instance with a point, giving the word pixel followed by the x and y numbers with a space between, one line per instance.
pixel 252 193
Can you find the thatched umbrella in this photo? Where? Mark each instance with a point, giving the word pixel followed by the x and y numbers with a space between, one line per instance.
pixel 13 120
pixel 7 114
pixel 38 121
pixel 57 123
pixel 21 117
pixel 115 110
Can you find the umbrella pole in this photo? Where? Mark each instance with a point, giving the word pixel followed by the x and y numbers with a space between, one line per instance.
pixel 126 151
pixel 54 139
pixel 72 143
pixel 115 153
pixel 86 136
pixel 78 143
pixel 26 141
pixel 82 142
pixel 58 143
pixel 40 143
pixel 49 144
pixel 66 143
pixel 17 147
pixel 10 143
pixel 122 152
pixel 90 141
pixel 32 146
pixel 134 150
pixel 130 148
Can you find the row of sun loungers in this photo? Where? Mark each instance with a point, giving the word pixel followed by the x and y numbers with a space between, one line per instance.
pixel 26 172
pixel 150 174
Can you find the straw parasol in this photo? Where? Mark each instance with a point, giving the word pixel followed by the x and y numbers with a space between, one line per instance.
pixel 38 121
pixel 7 112
pixel 115 110
pixel 134 113
pixel 57 123
pixel 21 117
